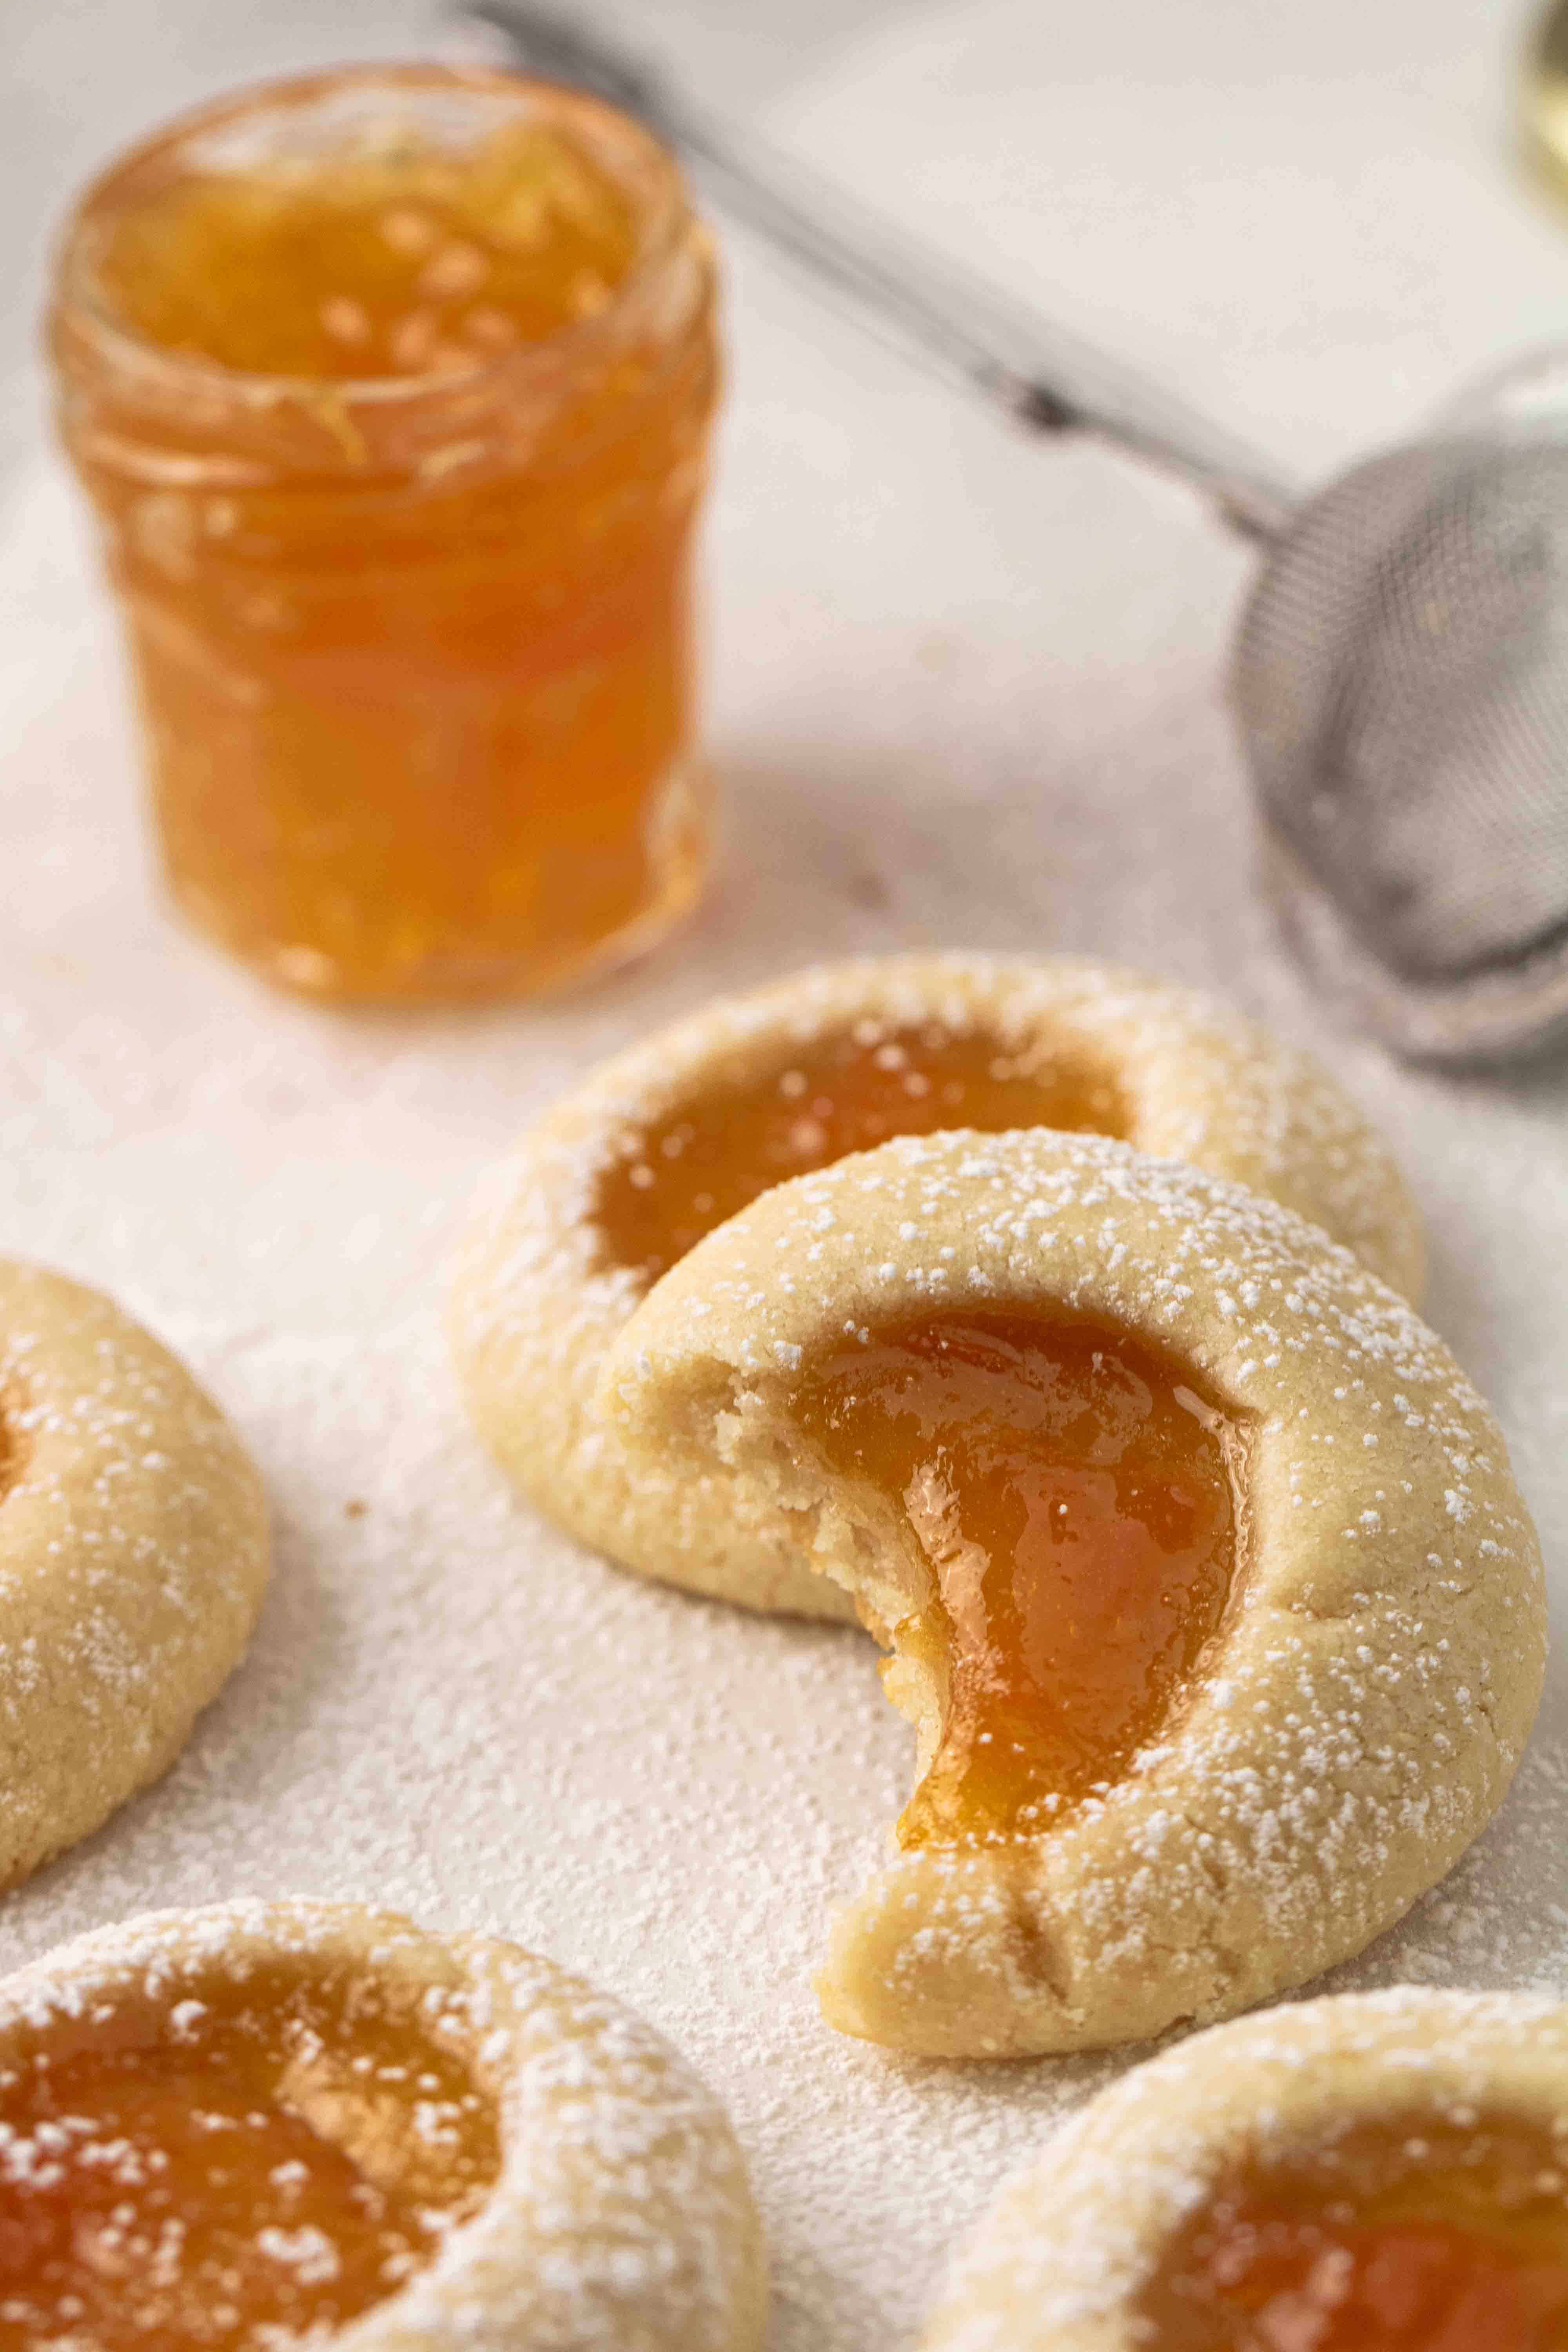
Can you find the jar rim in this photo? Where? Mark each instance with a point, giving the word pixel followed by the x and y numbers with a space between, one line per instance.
pixel 662 215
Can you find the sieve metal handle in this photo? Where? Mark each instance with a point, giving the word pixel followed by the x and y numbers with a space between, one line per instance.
pixel 1038 375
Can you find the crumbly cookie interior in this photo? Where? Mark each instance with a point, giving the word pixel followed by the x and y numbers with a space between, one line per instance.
pixel 672 1179
pixel 1044 1518
pixel 1403 2234
pixel 239 2160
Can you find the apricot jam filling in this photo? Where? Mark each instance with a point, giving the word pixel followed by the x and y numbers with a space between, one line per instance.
pixel 1072 1504
pixel 1399 2236
pixel 239 2164
pixel 718 1150
pixel 395 257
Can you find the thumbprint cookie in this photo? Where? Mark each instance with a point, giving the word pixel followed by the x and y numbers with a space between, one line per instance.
pixel 133 1555
pixel 1382 2172
pixel 1203 1577
pixel 307 2123
pixel 663 1144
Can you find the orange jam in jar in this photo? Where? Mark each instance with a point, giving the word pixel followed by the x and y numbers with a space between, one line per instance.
pixel 1400 2235
pixel 256 2166
pixel 392 389
pixel 1074 1504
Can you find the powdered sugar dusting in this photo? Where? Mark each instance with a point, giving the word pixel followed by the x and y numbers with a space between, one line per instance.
pixel 555 1260
pixel 525 2162
pixel 1203 1084
pixel 448 1709
pixel 1365 1701
pixel 895 776
pixel 132 1559
pixel 1062 2260
pixel 256 2165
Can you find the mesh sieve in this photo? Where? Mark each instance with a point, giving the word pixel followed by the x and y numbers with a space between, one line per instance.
pixel 1401 682
pixel 1401 674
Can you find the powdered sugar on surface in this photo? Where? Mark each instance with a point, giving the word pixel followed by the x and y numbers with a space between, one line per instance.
pixel 963 696
pixel 449 1711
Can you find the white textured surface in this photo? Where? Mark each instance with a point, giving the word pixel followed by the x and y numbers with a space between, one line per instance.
pixel 963 693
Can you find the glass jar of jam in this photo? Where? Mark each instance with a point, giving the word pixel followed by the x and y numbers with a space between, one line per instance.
pixel 391 387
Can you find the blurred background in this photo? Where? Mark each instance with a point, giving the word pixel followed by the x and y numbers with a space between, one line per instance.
pixel 961 690
pixel 1304 211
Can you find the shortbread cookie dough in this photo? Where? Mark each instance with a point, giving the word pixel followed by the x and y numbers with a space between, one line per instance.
pixel 668 1139
pixel 1387 2169
pixel 1207 1586
pixel 133 1555
pixel 313 2123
